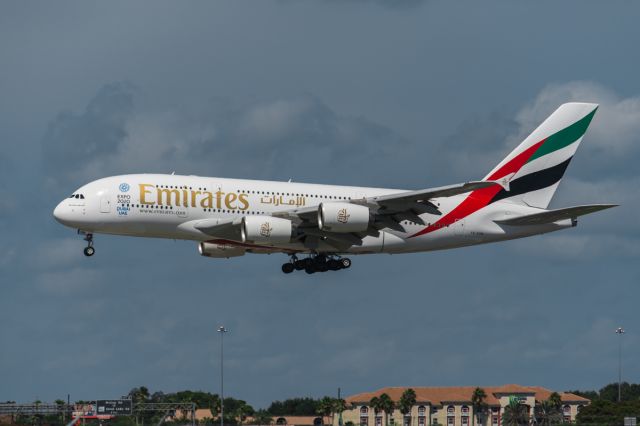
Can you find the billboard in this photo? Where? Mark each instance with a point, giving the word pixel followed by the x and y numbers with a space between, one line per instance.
pixel 114 407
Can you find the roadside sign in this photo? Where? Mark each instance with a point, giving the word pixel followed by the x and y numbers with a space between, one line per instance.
pixel 114 407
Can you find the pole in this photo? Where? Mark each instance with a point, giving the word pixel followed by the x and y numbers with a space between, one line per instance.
pixel 340 413
pixel 222 330
pixel 620 332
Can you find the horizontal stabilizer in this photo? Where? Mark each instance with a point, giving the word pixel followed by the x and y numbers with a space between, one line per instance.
pixel 551 216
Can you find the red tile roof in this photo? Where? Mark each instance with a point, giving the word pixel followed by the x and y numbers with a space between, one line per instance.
pixel 439 395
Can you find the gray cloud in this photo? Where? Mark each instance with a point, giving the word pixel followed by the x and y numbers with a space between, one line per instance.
pixel 267 139
pixel 73 141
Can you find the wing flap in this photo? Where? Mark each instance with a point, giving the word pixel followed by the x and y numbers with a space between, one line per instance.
pixel 551 216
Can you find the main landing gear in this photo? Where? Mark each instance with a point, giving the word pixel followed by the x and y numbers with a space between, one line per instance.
pixel 88 237
pixel 316 263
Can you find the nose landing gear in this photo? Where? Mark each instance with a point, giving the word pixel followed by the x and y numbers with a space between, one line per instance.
pixel 316 263
pixel 88 250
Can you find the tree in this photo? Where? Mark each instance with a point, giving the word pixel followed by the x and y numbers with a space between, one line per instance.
pixel 376 404
pixel 241 410
pixel 262 417
pixel 555 400
pixel 406 403
pixel 326 407
pixel 140 394
pixel 515 414
pixel 549 412
pixel 602 412
pixel 294 406
pixel 479 406
pixel 386 405
pixel 339 406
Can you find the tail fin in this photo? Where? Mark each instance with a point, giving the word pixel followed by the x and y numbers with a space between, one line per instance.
pixel 531 173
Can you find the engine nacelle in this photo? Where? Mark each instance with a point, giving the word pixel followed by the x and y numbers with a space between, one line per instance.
pixel 267 230
pixel 220 250
pixel 343 217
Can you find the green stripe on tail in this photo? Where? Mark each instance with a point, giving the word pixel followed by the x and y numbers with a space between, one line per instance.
pixel 564 137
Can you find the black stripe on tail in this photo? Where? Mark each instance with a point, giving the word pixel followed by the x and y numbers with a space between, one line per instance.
pixel 533 181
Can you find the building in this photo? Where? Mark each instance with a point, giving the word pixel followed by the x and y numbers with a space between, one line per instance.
pixel 452 406
pixel 205 416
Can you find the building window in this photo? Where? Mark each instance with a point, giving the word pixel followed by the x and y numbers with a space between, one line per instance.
pixel 465 410
pixel 364 411
pixel 407 421
pixel 451 410
pixel 566 410
pixel 421 421
pixel 494 420
pixel 422 410
pixel 451 421
pixel 364 421
pixel 465 420
pixel 379 421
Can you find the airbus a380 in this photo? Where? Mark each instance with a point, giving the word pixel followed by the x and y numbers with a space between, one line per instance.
pixel 317 225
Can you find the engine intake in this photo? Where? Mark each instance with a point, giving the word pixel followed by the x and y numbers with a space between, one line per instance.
pixel 220 250
pixel 266 230
pixel 343 217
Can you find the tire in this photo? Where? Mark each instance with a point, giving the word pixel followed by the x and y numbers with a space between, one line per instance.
pixel 309 270
pixel 334 265
pixel 287 268
pixel 345 262
pixel 89 251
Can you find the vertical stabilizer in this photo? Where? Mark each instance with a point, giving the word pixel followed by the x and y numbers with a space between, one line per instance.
pixel 532 171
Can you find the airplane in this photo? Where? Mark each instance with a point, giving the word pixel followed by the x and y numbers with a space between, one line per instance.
pixel 318 225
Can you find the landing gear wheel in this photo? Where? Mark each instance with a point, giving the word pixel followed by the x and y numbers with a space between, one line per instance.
pixel 88 237
pixel 345 262
pixel 334 265
pixel 287 268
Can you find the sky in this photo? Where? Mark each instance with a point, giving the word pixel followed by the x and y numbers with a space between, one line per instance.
pixel 403 94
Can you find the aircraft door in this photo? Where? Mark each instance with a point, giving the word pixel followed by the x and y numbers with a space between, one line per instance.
pixel 105 203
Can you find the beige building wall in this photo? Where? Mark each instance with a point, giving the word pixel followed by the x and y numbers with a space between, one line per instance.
pixel 435 406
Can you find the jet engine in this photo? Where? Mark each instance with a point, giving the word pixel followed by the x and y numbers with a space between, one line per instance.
pixel 265 230
pixel 220 250
pixel 343 217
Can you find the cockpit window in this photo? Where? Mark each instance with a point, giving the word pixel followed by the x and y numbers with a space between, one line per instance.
pixel 77 196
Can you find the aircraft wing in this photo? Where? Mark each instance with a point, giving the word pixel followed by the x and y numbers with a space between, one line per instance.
pixel 423 195
pixel 550 216
pixel 388 212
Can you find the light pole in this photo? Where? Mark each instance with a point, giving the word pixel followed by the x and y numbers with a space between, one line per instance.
pixel 222 330
pixel 620 332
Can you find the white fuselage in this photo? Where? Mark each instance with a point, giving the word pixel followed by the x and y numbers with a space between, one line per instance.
pixel 169 206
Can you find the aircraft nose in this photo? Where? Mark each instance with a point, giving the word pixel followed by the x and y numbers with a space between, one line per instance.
pixel 61 213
